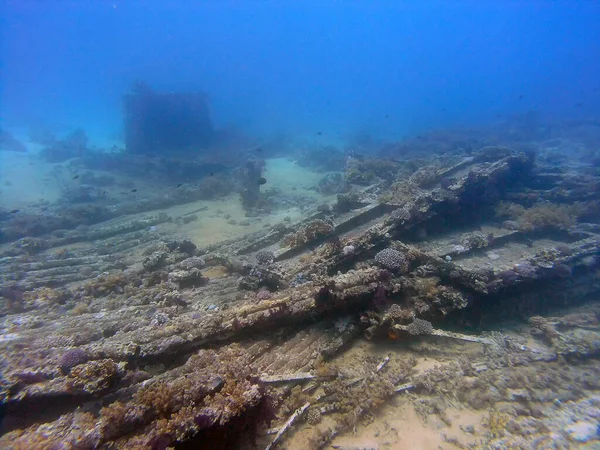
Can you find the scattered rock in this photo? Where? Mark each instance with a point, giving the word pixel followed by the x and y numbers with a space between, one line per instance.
pixel 493 256
pixel 188 278
pixel 582 431
pixel 195 262
pixel 154 261
pixel 518 395
pixel 512 225
pixel 348 250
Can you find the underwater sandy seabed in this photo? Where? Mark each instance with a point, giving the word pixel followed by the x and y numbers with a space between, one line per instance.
pixel 526 385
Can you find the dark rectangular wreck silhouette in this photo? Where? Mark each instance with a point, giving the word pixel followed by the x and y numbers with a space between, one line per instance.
pixel 166 123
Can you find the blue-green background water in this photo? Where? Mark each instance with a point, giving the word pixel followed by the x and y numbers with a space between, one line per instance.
pixel 387 68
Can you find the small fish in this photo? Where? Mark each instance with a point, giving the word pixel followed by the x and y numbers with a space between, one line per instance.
pixel 387 115
pixel 15 211
pixel 521 97
pixel 578 105
pixel 179 185
pixel 319 133
pixel 104 192
pixel 258 149
pixel 134 190
pixel 75 177
pixel 261 181
pixel 212 174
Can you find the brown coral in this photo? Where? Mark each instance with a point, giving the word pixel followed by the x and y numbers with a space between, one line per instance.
pixel 162 398
pixel 105 284
pixel 543 325
pixel 308 233
pixel 44 296
pixel 94 376
pixel 544 216
pixel 396 314
pixel 547 217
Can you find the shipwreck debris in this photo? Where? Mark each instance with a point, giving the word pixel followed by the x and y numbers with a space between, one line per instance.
pixel 175 357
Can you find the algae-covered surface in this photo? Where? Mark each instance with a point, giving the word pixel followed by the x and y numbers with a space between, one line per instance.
pixel 410 313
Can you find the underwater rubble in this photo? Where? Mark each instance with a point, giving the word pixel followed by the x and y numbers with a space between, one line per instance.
pixel 124 338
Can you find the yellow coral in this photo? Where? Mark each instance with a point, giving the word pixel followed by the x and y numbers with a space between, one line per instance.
pixel 496 423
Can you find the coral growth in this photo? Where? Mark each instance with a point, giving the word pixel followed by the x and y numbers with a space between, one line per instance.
pixel 348 201
pixel 94 376
pixel 547 217
pixel 72 358
pixel 194 262
pixel 508 210
pixel 211 390
pixel 496 423
pixel 419 327
pixel 541 325
pixel 396 314
pixel 106 284
pixel 261 277
pixel 392 260
pixel 541 217
pixel 308 233
pixel 188 278
pixel 325 295
pixel 424 177
pixel 45 296
pixel 399 216
pixel 31 245
pixel 400 193
pixel 263 294
pixel 369 170
pixel 264 257
pixel 475 240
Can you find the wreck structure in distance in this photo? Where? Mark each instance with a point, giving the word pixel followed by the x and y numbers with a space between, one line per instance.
pixel 166 122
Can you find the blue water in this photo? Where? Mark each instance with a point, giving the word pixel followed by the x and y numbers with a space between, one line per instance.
pixel 388 68
pixel 270 193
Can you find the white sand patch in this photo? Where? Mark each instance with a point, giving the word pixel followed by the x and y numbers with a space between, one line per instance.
pixel 24 179
pixel 222 219
pixel 226 219
pixel 285 174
